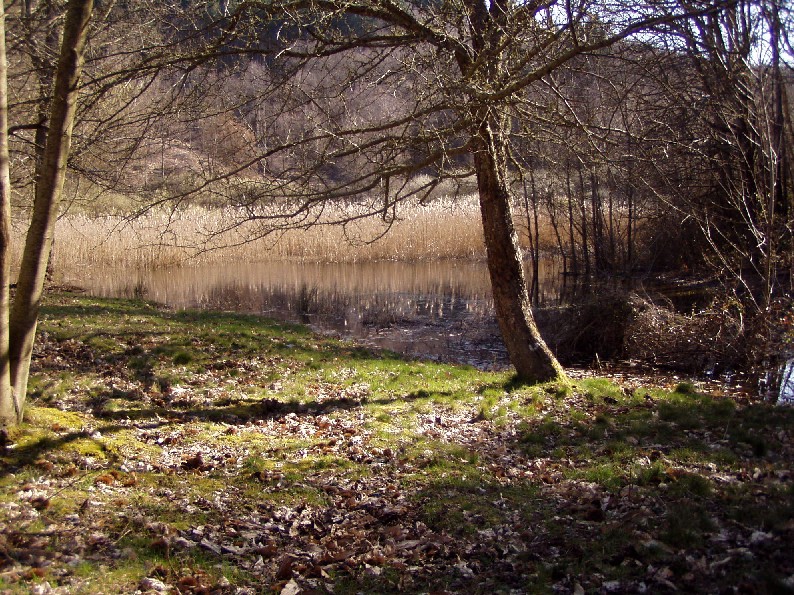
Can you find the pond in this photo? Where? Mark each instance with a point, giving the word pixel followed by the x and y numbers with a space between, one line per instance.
pixel 434 310
pixel 437 310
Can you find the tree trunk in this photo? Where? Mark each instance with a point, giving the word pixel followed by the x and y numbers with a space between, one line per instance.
pixel 42 44
pixel 571 224
pixel 583 208
pixel 778 157
pixel 49 187
pixel 9 409
pixel 531 240
pixel 534 293
pixel 528 353
pixel 598 223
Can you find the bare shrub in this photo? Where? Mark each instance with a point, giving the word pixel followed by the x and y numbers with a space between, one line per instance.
pixel 721 336
pixel 592 328
pixel 711 338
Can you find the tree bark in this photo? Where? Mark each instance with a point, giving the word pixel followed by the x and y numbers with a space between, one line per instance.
pixel 41 48
pixel 529 354
pixel 49 187
pixel 571 224
pixel 9 409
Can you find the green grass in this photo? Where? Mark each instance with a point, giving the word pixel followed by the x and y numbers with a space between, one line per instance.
pixel 402 469
pixel 465 505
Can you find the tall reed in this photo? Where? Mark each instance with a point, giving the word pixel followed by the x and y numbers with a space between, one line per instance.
pixel 442 229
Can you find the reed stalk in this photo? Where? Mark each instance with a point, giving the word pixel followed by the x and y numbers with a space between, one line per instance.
pixel 442 229
pixel 161 239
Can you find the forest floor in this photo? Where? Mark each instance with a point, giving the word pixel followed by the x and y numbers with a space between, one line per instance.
pixel 189 452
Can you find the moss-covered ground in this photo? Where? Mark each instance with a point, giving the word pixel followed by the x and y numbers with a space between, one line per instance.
pixel 197 452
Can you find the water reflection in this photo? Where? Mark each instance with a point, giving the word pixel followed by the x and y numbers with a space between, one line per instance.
pixel 441 310
pixel 438 310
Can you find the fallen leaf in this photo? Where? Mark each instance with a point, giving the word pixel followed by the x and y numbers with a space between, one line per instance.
pixel 153 584
pixel 291 588
pixel 285 568
pixel 194 463
pixel 213 547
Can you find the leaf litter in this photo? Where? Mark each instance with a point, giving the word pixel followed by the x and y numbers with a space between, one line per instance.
pixel 226 454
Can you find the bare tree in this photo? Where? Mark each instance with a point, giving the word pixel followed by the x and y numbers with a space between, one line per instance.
pixel 286 111
pixel 9 406
pixel 114 120
pixel 744 205
pixel 24 311
pixel 455 73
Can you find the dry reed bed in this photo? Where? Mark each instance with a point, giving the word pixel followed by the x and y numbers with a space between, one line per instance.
pixel 444 229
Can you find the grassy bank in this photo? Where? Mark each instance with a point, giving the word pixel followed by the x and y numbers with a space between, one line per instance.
pixel 223 453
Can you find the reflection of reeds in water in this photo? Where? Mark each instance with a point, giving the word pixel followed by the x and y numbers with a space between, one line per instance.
pixel 379 291
pixel 439 308
pixel 363 293
pixel 337 308
pixel 310 286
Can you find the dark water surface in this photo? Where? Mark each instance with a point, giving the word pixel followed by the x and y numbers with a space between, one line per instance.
pixel 438 310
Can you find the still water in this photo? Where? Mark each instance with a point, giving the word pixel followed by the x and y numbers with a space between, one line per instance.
pixel 439 310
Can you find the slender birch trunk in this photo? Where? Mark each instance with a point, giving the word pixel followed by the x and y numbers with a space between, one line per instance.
pixel 25 310
pixel 9 409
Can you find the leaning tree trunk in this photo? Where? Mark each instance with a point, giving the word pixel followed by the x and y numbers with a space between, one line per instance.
pixel 9 409
pixel 49 187
pixel 532 359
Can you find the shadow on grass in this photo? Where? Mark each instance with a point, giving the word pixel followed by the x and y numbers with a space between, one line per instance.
pixel 649 485
pixel 699 424
pixel 627 491
pixel 31 453
pixel 260 409
pixel 156 349
pixel 57 308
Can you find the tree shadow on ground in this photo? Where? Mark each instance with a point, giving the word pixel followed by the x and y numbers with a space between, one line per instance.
pixel 691 483
pixel 624 492
pixel 32 452
pixel 242 411
pixel 714 427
